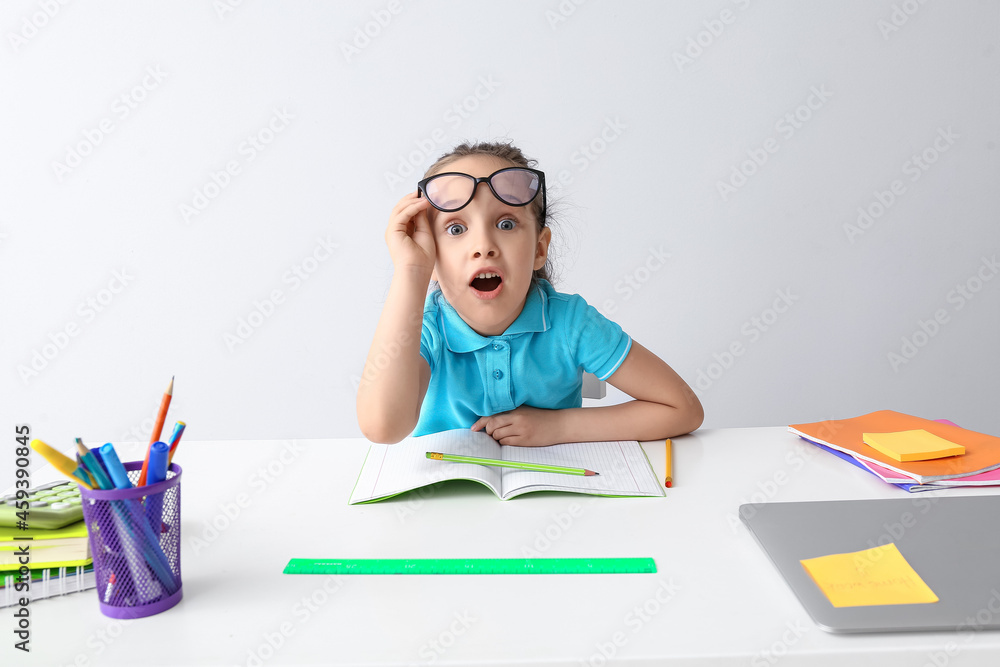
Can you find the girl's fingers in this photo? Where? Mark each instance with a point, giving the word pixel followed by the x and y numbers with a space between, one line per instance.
pixel 409 201
pixel 409 218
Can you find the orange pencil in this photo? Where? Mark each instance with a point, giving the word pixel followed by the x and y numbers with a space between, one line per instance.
pixel 157 429
pixel 669 482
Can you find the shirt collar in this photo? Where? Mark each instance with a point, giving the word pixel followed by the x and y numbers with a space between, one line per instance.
pixel 460 337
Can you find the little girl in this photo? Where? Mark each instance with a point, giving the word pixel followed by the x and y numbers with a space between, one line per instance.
pixel 494 346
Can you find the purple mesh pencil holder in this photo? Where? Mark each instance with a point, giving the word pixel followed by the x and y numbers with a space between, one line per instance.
pixel 135 539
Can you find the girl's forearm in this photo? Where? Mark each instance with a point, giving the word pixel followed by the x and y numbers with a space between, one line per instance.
pixel 389 394
pixel 632 420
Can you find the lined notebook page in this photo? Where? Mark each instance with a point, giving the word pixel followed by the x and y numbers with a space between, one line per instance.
pixel 392 469
pixel 624 468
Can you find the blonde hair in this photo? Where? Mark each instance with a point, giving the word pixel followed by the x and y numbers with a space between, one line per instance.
pixel 513 155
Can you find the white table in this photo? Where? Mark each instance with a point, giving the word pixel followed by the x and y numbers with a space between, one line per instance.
pixel 248 507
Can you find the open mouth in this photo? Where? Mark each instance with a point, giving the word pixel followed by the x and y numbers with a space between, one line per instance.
pixel 487 283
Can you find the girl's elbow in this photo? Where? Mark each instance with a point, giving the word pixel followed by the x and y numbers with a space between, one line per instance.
pixel 382 438
pixel 690 416
pixel 382 434
pixel 696 419
pixel 383 429
pixel 696 416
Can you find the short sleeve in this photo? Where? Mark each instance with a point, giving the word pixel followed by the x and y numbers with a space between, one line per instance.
pixel 602 345
pixel 430 334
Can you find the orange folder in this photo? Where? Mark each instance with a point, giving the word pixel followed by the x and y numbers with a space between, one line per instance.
pixel 982 452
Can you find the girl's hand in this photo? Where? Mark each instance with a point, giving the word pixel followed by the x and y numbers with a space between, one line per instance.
pixel 523 427
pixel 409 235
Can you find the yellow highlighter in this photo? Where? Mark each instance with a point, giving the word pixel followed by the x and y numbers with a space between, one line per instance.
pixel 62 463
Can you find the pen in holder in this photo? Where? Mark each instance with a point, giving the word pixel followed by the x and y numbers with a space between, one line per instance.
pixel 135 540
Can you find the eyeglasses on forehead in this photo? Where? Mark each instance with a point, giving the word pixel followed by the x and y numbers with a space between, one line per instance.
pixel 452 190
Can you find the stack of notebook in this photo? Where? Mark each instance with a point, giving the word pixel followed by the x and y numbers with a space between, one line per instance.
pixel 914 454
pixel 59 561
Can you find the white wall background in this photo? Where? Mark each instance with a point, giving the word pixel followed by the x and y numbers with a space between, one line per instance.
pixel 113 115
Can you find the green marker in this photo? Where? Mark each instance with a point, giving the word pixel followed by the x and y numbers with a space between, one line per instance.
pixel 521 465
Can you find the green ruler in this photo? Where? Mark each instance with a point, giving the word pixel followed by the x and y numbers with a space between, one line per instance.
pixel 470 566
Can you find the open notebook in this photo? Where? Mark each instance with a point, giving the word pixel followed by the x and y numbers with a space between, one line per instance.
pixel 392 469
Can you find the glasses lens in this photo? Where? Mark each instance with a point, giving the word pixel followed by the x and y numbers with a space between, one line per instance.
pixel 516 187
pixel 450 192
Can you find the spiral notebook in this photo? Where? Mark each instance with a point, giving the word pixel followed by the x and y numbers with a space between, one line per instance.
pixel 47 583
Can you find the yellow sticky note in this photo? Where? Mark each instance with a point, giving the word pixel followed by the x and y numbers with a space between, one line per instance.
pixel 918 445
pixel 870 577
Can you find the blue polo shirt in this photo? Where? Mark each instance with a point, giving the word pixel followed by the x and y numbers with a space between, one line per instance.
pixel 538 361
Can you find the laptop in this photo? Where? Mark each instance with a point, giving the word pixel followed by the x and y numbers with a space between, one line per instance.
pixel 952 543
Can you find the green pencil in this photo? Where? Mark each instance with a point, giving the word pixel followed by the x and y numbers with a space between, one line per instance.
pixel 537 467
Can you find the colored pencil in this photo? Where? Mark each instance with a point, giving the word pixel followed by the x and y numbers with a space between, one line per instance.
pixel 157 429
pixel 520 465
pixel 175 440
pixel 669 481
pixel 92 466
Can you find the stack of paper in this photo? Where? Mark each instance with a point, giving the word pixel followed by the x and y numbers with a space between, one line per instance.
pixel 947 456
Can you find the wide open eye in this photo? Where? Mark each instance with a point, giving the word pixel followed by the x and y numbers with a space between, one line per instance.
pixel 506 224
pixel 454 229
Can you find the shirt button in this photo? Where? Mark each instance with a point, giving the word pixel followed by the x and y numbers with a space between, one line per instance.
pixel 497 346
pixel 498 374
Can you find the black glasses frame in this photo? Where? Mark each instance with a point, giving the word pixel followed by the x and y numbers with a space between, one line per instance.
pixel 488 180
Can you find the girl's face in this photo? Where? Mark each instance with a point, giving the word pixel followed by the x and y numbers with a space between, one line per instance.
pixel 488 238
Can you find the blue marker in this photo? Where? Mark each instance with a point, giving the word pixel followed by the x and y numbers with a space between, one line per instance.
pixel 97 456
pixel 158 454
pixel 115 468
